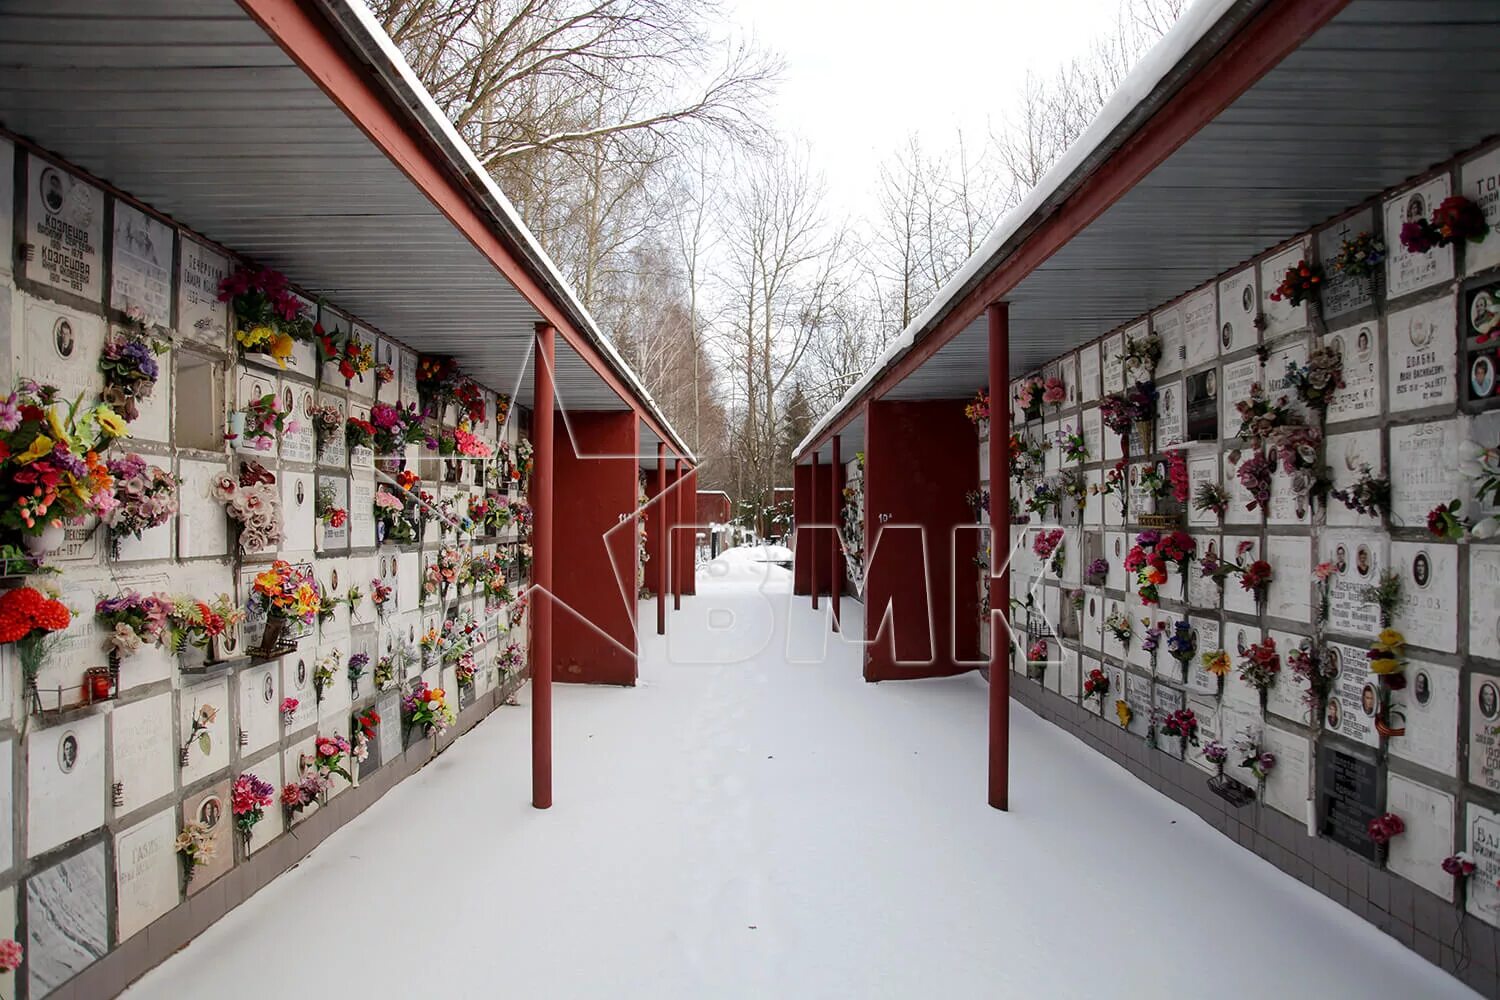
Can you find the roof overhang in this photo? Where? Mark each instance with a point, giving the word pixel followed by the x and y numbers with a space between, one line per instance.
pixel 1249 123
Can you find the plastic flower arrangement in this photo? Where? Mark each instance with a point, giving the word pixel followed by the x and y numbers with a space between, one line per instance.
pixel 1382 829
pixel 27 618
pixel 1387 653
pixel 268 318
pixel 465 668
pixel 1096 685
pixel 1254 474
pixel 324 669
pixel 1211 498
pixel 1037 652
pixel 1054 393
pixel 502 409
pixel 1182 644
pixel 353 356
pixel 1097 572
pixel 1123 712
pixel 427 707
pixel 1044 496
pixel 1142 354
pixel 1151 637
pixel 1459 865
pixel 1370 494
pixel 397 524
pixel 1045 542
pixel 1177 475
pixel 384 374
pixel 1216 753
pixel 248 799
pixel 1148 565
pixel 395 427
pixel 1257 761
pixel 1256 578
pixel 311 788
pixel 1180 549
pixel 1443 521
pixel 1259 416
pixel 359 433
pixel 289 709
pixel 1154 482
pixel 978 409
pixel 264 419
pixel 145 497
pixel 326 510
pixel 510 660
pixel 51 471
pixel 1072 445
pixel 1298 284
pixel 1317 381
pixel 437 381
pixel 191 622
pixel 128 364
pixel 254 501
pixel 470 399
pixel 328 756
pixel 1260 665
pixel 196 846
pixel 133 620
pixel 1117 622
pixel 364 725
pixel 1360 256
pixel 1029 396
pixel 11 954
pixel 201 722
pixel 1481 465
pixel 328 424
pixel 287 593
pixel 1216 662
pixel 1182 723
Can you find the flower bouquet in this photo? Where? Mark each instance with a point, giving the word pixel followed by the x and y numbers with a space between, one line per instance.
pixel 255 503
pixel 27 618
pixel 1260 665
pixel 353 356
pixel 248 799
pixel 438 379
pixel 1097 572
pixel 328 756
pixel 356 669
pixel 428 709
pixel 1142 354
pixel 1047 544
pixel 1182 645
pixel 1256 578
pixel 1260 415
pixel 395 427
pixel 978 411
pixel 260 422
pixel 328 425
pixel 327 511
pixel 128 363
pixel 1299 284
pixel 195 629
pixel 1182 724
pixel 1148 565
pixel 1455 220
pixel 380 596
pixel 195 844
pixel 287 594
pixel 470 399
pixel 307 791
pixel 359 433
pixel 1151 638
pixel 1308 663
pixel 1360 256
pixel 1317 381
pixel 1029 396
pixel 1054 393
pixel 1211 498
pixel 1036 660
pixel 145 495
pixel 202 721
pixel 133 620
pixel 1117 623
pixel 394 522
pixel 325 668
pixel 51 472
pixel 1383 829
pixel 1096 685
pixel 1370 495
pixel 268 318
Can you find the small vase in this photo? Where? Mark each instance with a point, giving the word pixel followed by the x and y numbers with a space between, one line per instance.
pixel 270 639
pixel 1145 430
pixel 52 537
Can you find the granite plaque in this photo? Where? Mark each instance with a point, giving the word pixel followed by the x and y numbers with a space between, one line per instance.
pixel 1349 797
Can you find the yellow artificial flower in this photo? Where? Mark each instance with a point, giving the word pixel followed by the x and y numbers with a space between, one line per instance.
pixel 281 348
pixel 40 445
pixel 1390 638
pixel 1385 665
pixel 111 423
pixel 267 581
pixel 59 432
pixel 1123 711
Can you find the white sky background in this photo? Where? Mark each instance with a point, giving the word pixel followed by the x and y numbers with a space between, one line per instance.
pixel 861 76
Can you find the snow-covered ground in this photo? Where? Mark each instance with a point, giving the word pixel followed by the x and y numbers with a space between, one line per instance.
pixel 755 821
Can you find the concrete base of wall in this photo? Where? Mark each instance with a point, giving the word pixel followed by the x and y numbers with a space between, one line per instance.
pixel 147 949
pixel 1413 916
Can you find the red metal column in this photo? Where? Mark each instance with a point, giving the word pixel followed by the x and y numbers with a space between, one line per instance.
pixel 541 569
pixel 835 553
pixel 998 315
pixel 678 488
pixel 813 542
pixel 661 538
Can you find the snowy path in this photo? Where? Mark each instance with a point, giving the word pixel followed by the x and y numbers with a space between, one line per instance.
pixel 762 828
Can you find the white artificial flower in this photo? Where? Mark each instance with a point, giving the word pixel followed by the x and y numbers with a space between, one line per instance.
pixel 1470 451
pixel 1487 528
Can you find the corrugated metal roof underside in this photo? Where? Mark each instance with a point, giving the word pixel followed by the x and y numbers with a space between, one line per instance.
pixel 189 106
pixel 1385 90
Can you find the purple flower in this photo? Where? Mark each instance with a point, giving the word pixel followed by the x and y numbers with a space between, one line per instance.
pixel 10 413
pixel 1148 539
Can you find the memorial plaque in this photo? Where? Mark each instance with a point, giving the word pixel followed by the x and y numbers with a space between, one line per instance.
pixel 1484 602
pixel 1405 271
pixel 361 457
pixel 62 347
pixel 1138 696
pixel 272 823
pixel 1479 181
pixel 299 442
pixel 1238 639
pixel 1169 416
pixel 1093 433
pixel 1290 593
pixel 147 873
pixel 1287 696
pixel 1202 591
pixel 1352 703
pixel 408 373
pixel 1349 797
pixel 201 519
pixel 1484 731
pixel 251 385
pixel 144 760
pixel 7 205
pixel 298 500
pixel 1237 598
pixel 1202 391
pixel 1206 711
pixel 1418 853
pixel 1165 701
pixel 304 359
pixel 1350 456
pixel 1342 294
pixel 1281 316
pixel 260 706
pixel 1428 708
pixel 1093 619
pixel 141 268
pixel 1358 557
pixel 1112 371
pixel 1239 723
pixel 296 682
pixel 65 227
pixel 1359 346
pixel 337 326
pixel 201 317
pixel 67 924
pixel 1237 310
pixel 334 454
pixel 9 797
pixel 1167 324
pixel 1424 470
pixel 1429 583
pixel 1200 682
pixel 1286 787
pixel 1200 327
pixel 1421 347
pixel 208 750
pixel 211 807
pixel 1239 377
pixel 336 491
pixel 1483 845
pixel 1480 322
pixel 64 782
pixel 1288 505
pixel 387 353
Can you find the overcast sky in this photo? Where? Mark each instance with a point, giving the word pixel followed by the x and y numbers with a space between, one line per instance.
pixel 862 75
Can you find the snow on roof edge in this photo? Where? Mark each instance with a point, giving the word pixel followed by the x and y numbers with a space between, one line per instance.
pixel 357 19
pixel 1154 67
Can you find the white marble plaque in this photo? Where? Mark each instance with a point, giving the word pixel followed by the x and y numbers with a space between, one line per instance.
pixel 1424 470
pixel 1419 852
pixel 335 539
pixel 386 353
pixel 211 807
pixel 1290 351
pixel 1206 632
pixel 65 782
pixel 1281 317
pixel 204 758
pixel 9 798
pixel 272 822
pixel 298 495
pixel 1210 728
pixel 1112 372
pixel 1237 598
pixel 1422 343
pixel 201 316
pixel 1484 601
pixel 299 441
pixel 1406 272
pixel 1169 415
pixel 334 452
pixel 1358 559
pixel 1352 703
pixel 408 372
pixel 1428 707
pixel 1202 468
pixel 361 457
pixel 1479 181
pixel 1167 324
pixel 1202 591
pixel 260 706
pixel 147 873
pixel 67 923
pixel 1239 376
pixel 296 682
pixel 141 268
pixel 361 513
pixel 1348 455
pixel 207 526
pixel 1342 294
pixel 65 227
pixel 1287 785
pixel 1429 583
pixel 1483 845
pixel 62 348
pixel 1237 309
pixel 1359 346
pixel 1200 328
pixel 142 752
pixel 1286 697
